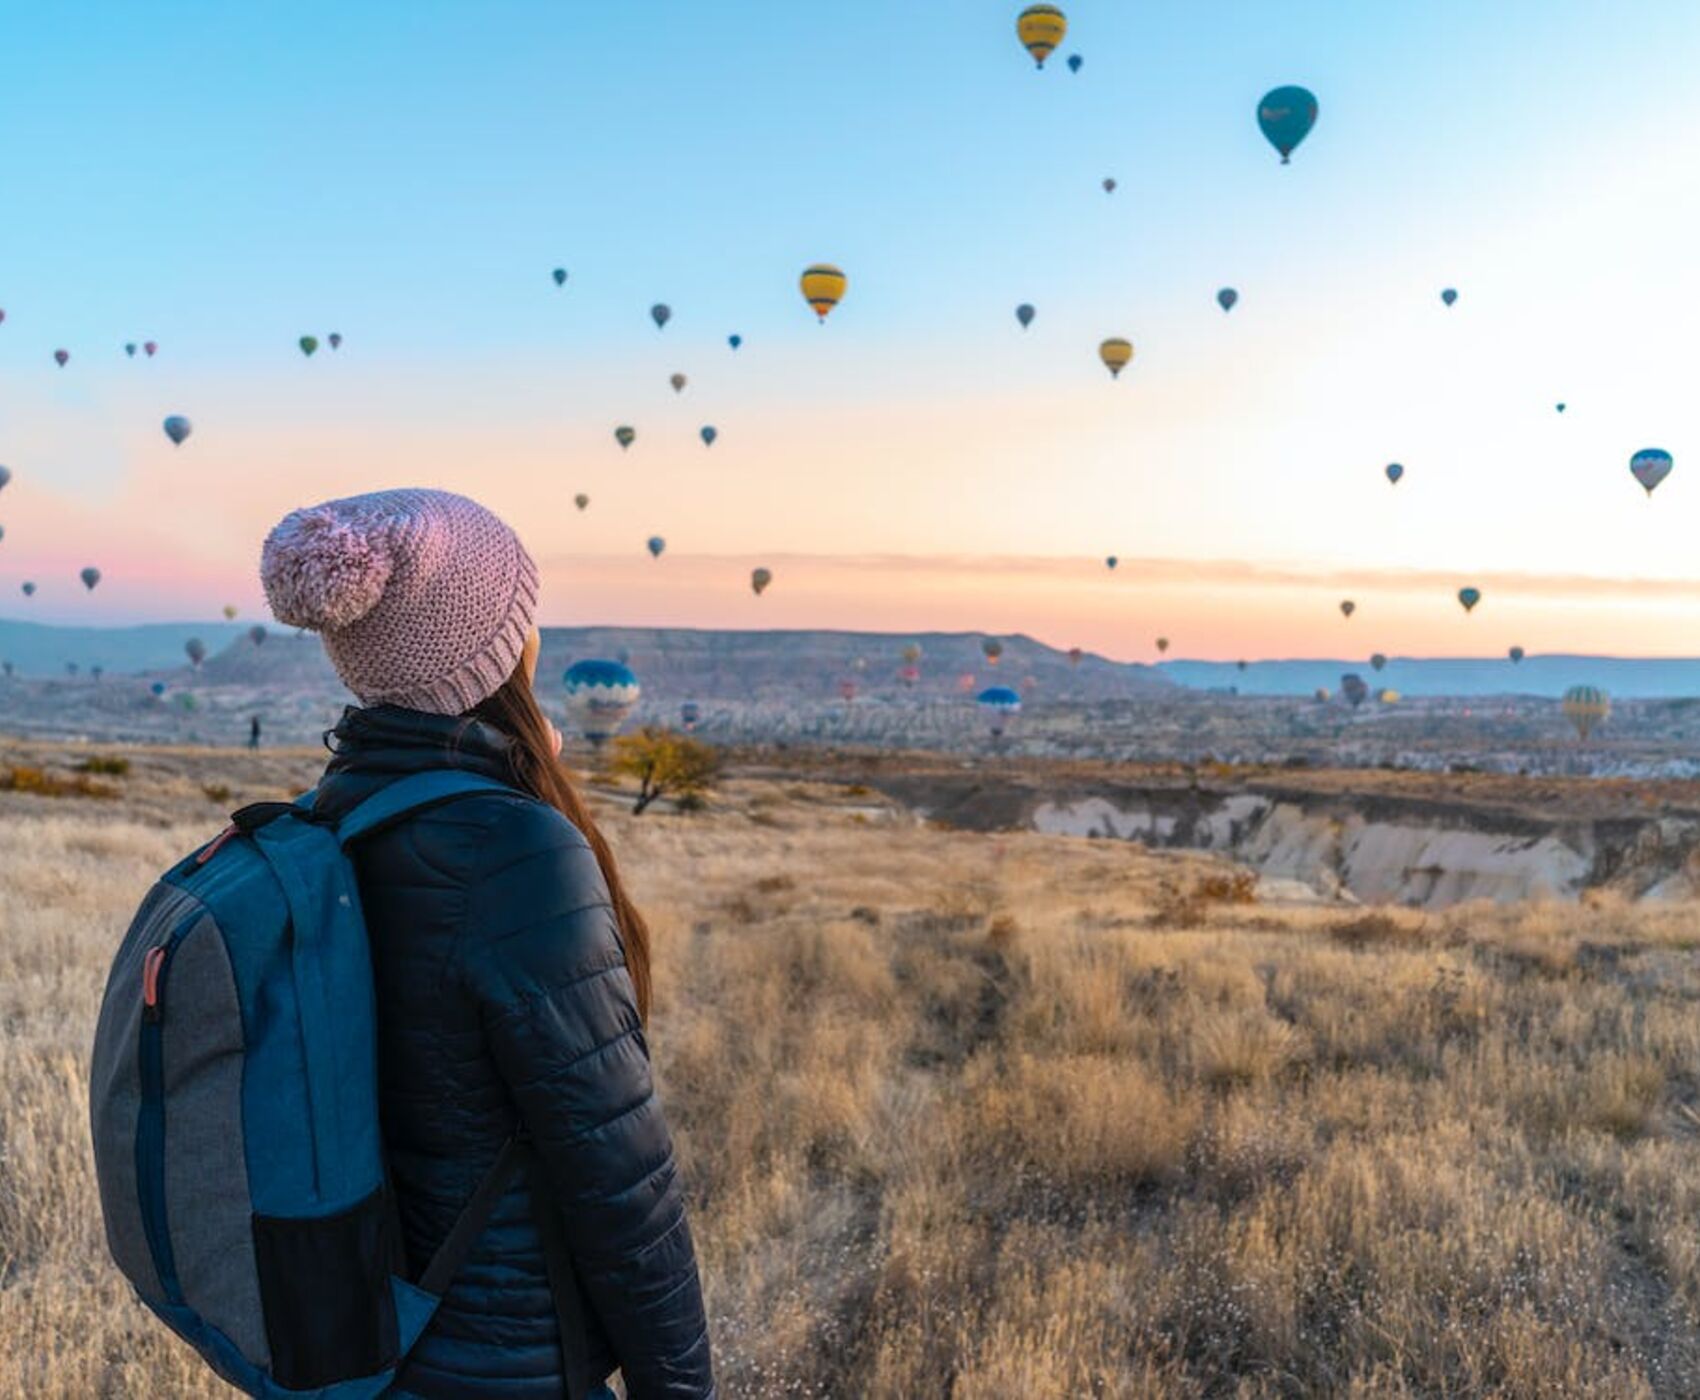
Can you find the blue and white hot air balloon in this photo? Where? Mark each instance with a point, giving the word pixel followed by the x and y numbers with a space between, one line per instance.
pixel 600 695
pixel 999 704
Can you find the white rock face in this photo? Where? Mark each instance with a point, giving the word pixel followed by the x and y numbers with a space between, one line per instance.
pixel 1347 857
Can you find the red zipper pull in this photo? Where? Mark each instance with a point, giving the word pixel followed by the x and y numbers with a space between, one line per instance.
pixel 151 965
pixel 211 848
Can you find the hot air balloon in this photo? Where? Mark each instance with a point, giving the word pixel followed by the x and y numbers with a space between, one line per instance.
pixel 965 682
pixel 1650 466
pixel 1394 472
pixel 1109 184
pixel 1116 354
pixel 1469 597
pixel 1286 116
pixel 625 436
pixel 1354 690
pixel 1347 607
pixel 1074 656
pixel 689 713
pixel 177 427
pixel 823 287
pixel 29 590
pixel 1162 645
pixel 1322 695
pixel 661 314
pixel 130 348
pixel 912 653
pixel 335 338
pixel 1586 707
pixel 157 688
pixel 196 650
pixel 992 648
pixel 1449 296
pixel 1024 314
pixel 257 635
pixel 5 476
pixel 308 344
pixel 2 532
pixel 560 276
pixel 759 580
pixel 61 356
pixel 999 704
pixel 1559 407
pixel 1378 662
pixel 150 348
pixel 656 545
pixel 910 676
pixel 70 668
pixel 1074 62
pixel 581 500
pixel 186 701
pixel 1516 654
pixel 90 576
pixel 229 611
pixel 600 694
pixel 678 382
pixel 1040 29
pixel 708 434
pixel 1111 560
pixel 734 341
pixel 1226 298
pixel 1242 665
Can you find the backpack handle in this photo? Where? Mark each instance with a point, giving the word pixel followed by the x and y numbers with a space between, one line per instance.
pixel 407 795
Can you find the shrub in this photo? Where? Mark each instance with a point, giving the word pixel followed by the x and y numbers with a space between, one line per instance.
pixel 666 764
pixel 216 792
pixel 41 783
pixel 110 765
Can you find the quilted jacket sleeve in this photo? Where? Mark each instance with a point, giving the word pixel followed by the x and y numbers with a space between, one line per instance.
pixel 542 956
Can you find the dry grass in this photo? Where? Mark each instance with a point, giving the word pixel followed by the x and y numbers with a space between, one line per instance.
pixel 988 1117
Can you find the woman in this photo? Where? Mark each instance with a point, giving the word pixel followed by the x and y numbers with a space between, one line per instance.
pixel 512 969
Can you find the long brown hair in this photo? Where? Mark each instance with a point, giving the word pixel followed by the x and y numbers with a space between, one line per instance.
pixel 514 710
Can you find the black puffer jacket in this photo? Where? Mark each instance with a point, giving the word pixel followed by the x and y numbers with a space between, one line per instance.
pixel 503 995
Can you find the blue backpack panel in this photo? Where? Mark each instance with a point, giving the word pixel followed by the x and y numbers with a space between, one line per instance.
pixel 234 1107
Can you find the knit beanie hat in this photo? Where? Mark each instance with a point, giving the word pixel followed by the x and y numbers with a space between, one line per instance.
pixel 424 598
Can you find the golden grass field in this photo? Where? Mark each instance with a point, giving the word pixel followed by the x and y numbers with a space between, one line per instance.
pixel 1016 1116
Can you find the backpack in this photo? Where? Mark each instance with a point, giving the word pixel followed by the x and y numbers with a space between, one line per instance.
pixel 234 1108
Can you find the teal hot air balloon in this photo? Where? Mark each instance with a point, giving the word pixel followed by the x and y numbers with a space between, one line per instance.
pixel 29 590
pixel 1394 472
pixel 625 435
pixel 999 704
pixel 1111 560
pixel 1286 116
pixel 708 434
pixel 1226 298
pixel 661 314
pixel 734 341
pixel 1469 597
pixel 655 546
pixel 1024 314
pixel 1650 466
pixel 600 694
pixel 177 428
pixel 130 348
pixel 560 276
pixel 1354 690
pixel 1449 296
pixel 1559 407
pixel 1378 662
pixel 196 650
pixel 1516 654
pixel 1074 62
pixel 90 577
pixel 5 476
pixel 308 344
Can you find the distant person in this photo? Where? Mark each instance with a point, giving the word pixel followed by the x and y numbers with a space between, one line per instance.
pixel 254 732
pixel 512 969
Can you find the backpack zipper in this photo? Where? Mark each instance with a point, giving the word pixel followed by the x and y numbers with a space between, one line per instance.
pixel 150 1118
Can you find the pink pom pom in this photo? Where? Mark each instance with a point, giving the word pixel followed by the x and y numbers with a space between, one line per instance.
pixel 324 569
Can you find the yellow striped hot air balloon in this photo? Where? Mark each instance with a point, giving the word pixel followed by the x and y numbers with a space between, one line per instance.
pixel 1040 29
pixel 823 287
pixel 1586 707
pixel 1116 354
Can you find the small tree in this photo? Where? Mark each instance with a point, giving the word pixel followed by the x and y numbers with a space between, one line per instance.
pixel 665 764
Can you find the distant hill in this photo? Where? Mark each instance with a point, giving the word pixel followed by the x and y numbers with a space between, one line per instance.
pixel 39 649
pixel 1626 678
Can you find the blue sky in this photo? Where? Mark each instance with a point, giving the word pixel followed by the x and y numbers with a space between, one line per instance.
pixel 224 178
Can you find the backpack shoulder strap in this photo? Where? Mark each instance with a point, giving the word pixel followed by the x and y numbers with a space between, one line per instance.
pixel 407 795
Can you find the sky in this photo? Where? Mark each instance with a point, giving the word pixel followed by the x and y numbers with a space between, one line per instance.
pixel 223 179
